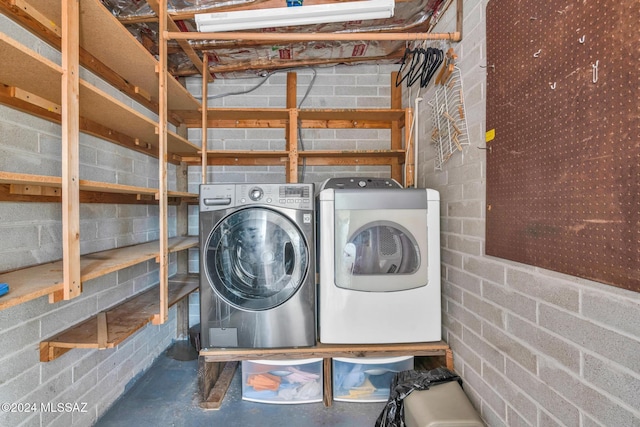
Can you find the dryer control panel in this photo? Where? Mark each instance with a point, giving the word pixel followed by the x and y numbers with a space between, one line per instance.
pixel 358 182
pixel 224 196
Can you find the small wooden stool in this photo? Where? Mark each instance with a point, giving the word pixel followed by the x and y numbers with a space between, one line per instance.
pixel 442 405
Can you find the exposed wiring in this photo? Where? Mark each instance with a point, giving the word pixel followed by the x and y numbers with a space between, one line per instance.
pixel 303 169
pixel 311 83
pixel 264 80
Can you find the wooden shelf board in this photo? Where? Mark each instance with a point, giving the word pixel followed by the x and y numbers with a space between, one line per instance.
pixel 126 120
pixel 245 113
pixel 183 194
pixel 243 158
pixel 364 115
pixel 122 320
pixel 250 154
pixel 326 351
pixel 30 72
pixel 85 185
pixel 23 68
pixel 352 158
pixel 352 153
pixel 178 144
pixel 311 119
pixel 103 36
pixel 33 282
pixel 237 117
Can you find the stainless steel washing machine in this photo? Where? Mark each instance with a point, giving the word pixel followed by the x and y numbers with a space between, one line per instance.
pixel 257 269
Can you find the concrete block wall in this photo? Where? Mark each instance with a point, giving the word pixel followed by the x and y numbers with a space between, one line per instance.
pixel 31 234
pixel 534 347
pixel 336 87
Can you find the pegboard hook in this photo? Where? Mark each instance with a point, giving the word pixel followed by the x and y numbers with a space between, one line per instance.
pixel 537 54
pixel 595 71
pixel 582 39
pixel 553 85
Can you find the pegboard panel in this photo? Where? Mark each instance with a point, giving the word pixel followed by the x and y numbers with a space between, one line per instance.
pixel 563 127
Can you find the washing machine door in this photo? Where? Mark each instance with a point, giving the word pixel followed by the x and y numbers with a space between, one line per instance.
pixel 256 258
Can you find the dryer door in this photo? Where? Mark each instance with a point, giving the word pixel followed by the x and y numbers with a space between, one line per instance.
pixel 381 250
pixel 256 258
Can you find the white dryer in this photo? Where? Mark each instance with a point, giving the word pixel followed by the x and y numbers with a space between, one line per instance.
pixel 379 263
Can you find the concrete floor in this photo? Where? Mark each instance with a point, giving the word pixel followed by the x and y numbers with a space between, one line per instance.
pixel 167 395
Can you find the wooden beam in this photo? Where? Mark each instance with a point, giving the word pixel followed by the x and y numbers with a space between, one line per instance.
pixel 205 121
pixel 214 398
pixel 459 17
pixel 327 365
pixel 292 147
pixel 71 148
pixel 291 132
pixel 409 171
pixel 36 100
pixel 163 313
pixel 438 348
pixel 184 44
pixel 396 126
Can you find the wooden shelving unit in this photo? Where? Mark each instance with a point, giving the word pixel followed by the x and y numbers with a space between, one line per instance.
pixel 109 328
pixel 88 35
pixel 395 118
pixel 106 48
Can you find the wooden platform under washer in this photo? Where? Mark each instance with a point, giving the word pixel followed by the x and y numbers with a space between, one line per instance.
pixel 217 365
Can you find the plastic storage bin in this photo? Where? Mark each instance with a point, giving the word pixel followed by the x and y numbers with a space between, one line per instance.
pixel 366 379
pixel 282 381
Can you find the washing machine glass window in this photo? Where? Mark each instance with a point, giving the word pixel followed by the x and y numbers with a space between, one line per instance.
pixel 372 247
pixel 259 259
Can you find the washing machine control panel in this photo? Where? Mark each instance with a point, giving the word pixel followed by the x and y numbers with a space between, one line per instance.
pixel 223 196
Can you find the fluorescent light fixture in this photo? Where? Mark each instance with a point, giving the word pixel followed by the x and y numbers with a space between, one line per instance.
pixel 295 15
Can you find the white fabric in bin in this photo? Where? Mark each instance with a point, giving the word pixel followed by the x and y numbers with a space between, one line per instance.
pixel 282 381
pixel 443 405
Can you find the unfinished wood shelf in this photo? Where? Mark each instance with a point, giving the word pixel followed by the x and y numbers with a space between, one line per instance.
pixel 21 187
pixel 107 49
pixel 111 327
pixel 32 84
pixel 46 279
pixel 212 393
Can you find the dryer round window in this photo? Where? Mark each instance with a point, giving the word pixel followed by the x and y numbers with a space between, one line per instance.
pixel 382 247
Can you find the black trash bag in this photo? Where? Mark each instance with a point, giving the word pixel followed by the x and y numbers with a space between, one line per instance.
pixel 403 384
